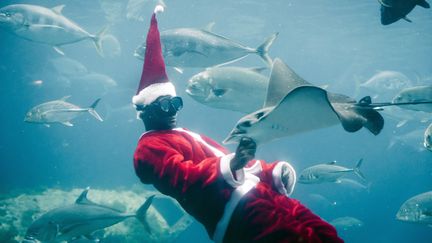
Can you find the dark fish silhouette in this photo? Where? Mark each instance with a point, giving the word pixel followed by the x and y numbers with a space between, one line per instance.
pixel 394 10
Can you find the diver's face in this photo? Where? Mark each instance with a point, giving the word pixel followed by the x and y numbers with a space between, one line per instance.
pixel 161 114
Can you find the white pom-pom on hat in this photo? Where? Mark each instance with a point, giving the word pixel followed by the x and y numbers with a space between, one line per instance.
pixel 158 9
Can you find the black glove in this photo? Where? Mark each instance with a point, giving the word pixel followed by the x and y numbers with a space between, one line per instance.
pixel 244 153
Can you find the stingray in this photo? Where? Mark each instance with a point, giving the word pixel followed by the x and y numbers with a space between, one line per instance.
pixel 295 106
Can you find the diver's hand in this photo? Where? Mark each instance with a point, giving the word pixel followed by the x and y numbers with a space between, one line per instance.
pixel 244 153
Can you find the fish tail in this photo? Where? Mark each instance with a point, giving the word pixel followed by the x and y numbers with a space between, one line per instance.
pixel 142 213
pixel 423 4
pixel 93 112
pixel 263 49
pixel 357 170
pixel 98 38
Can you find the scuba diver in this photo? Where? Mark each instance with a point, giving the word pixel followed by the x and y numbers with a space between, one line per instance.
pixel 234 196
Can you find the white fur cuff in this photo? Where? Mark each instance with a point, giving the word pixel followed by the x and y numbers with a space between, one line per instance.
pixel 277 178
pixel 225 169
pixel 150 93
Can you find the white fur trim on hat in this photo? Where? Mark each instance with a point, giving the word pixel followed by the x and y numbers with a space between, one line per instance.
pixel 150 93
pixel 159 8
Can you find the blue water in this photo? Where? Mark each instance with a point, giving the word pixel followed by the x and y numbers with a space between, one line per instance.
pixel 336 43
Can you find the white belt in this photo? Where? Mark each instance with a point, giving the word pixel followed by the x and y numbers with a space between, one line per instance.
pixel 250 182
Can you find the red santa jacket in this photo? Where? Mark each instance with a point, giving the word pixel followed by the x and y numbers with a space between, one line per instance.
pixel 253 205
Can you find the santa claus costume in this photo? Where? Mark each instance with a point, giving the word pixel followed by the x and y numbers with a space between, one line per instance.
pixel 251 204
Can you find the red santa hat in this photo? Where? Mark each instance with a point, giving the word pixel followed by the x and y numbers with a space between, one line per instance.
pixel 154 80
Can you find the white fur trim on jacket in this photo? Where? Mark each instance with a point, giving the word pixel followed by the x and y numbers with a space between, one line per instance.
pixel 250 181
pixel 277 178
pixel 225 169
pixel 150 93
pixel 255 169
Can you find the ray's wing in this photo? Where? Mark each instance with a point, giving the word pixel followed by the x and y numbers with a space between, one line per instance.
pixel 305 108
pixel 282 81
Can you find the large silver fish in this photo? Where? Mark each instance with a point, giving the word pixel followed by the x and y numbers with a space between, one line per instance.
pixel 231 88
pixel 189 47
pixel 413 95
pixel 59 111
pixel 44 25
pixel 417 209
pixel 329 172
pixel 79 220
pixel 294 106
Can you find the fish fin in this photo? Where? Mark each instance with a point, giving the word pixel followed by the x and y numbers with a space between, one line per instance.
pixel 91 237
pixel 82 199
pixel 229 62
pixel 263 49
pixel 424 120
pixel 209 26
pixel 357 169
pixel 324 86
pixel 93 112
pixel 383 3
pixel 67 123
pixel 258 69
pixel 179 70
pixel 98 38
pixel 407 19
pixel 142 213
pixel 58 9
pixel 64 98
pixel 332 162
pixel 401 123
pixel 58 50
pixel 44 26
pixel 423 4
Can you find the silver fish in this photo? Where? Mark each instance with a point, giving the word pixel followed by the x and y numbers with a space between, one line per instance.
pixel 427 141
pixel 295 106
pixel 44 25
pixel 354 184
pixel 417 209
pixel 78 220
pixel 415 94
pixel 64 66
pixel 189 47
pixel 346 223
pixel 59 111
pixel 385 84
pixel 412 139
pixel 99 79
pixel 231 88
pixel 329 172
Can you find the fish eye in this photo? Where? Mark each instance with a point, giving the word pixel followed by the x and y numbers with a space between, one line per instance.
pixel 219 92
pixel 245 124
pixel 259 115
